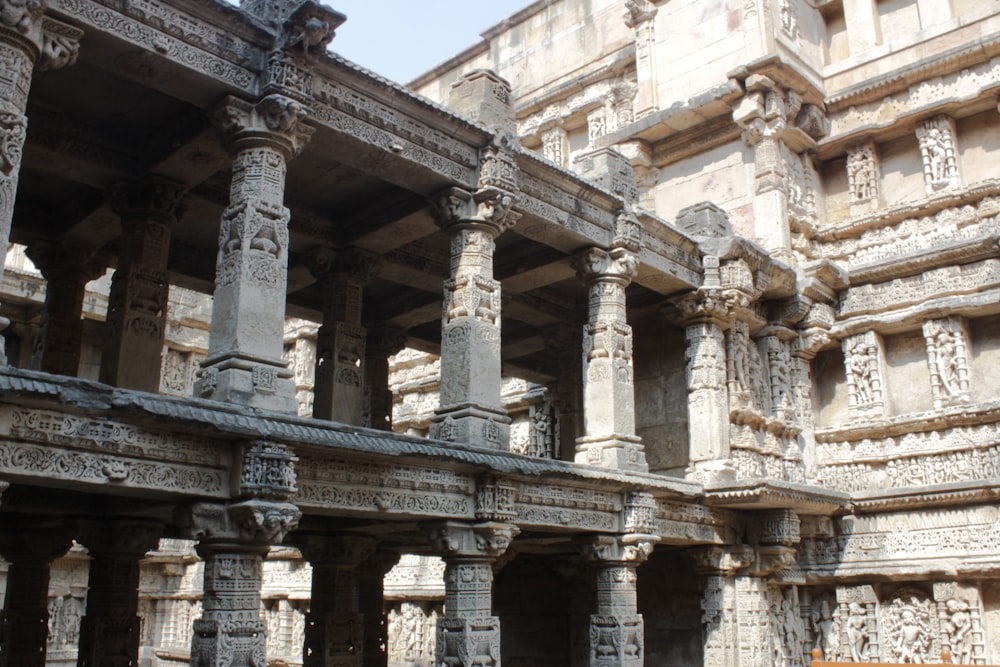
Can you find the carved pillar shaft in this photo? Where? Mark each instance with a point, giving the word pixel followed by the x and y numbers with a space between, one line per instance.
pixel 340 373
pixel 371 605
pixel 471 410
pixel 233 541
pixel 641 17
pixel 244 363
pixel 23 30
pixel 67 269
pixel 616 627
pixel 382 343
pixel 468 632
pixel 137 308
pixel 609 437
pixel 109 632
pixel 334 626
pixel 24 622
pixel 562 342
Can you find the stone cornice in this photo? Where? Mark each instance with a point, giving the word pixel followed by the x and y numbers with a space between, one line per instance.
pixel 915 498
pixel 923 422
pixel 773 494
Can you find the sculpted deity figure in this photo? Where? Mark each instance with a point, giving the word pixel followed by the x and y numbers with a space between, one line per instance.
pixel 937 154
pixel 857 632
pixel 914 638
pixel 958 631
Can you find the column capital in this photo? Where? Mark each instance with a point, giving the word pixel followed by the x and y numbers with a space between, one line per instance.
pixel 616 265
pixel 60 43
pixel 334 549
pixel 251 523
pixel 118 537
pixel 273 122
pixel 151 198
pixel 721 560
pixel 51 255
pixel 36 541
pixel 50 43
pixel 480 541
pixel 628 549
pixel 709 305
pixel 639 11
pixel 487 209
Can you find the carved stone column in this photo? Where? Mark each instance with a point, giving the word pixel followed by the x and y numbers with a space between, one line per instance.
pixel 137 308
pixel 562 342
pixel 244 363
pixel 468 632
pixel 109 632
pixel 339 393
pixel 371 605
pixel 30 550
pixel 616 626
pixel 334 626
pixel 382 343
pixel 233 541
pixel 706 314
pixel 609 437
pixel 641 17
pixel 67 268
pixel 28 39
pixel 471 410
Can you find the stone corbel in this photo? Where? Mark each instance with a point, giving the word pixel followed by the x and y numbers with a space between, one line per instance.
pixel 274 121
pixel 630 548
pixel 487 540
pixel 721 560
pixel 594 263
pixel 639 11
pixel 60 44
pixel 253 522
pixel 309 30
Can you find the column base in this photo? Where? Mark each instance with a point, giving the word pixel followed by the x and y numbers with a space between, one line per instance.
pixel 616 641
pixel 253 383
pixel 620 452
pixel 464 642
pixel 473 425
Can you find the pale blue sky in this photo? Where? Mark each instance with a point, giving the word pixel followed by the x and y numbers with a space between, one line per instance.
pixel 401 39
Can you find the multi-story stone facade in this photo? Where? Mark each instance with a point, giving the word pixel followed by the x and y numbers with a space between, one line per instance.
pixel 699 307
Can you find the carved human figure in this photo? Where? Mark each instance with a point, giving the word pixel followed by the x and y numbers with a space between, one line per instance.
pixel 958 629
pixel 914 636
pixel 861 363
pixel 857 632
pixel 862 178
pixel 937 154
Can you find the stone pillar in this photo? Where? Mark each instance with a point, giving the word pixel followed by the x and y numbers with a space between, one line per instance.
pixel 109 632
pixel 562 342
pixel 137 307
pixel 30 550
pixel 762 115
pixel 471 410
pixel 334 626
pixel 705 315
pixel 641 17
pixel 233 540
pixel 339 387
pixel 244 363
pixel 28 39
pixel 382 343
pixel 864 28
pixel 616 626
pixel 609 438
pixel 371 605
pixel 67 268
pixel 468 632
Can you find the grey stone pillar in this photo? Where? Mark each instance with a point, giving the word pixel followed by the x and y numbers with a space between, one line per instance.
pixel 339 385
pixel 616 626
pixel 24 31
pixel 109 632
pixel 244 363
pixel 233 541
pixel 469 632
pixel 382 343
pixel 334 634
pixel 609 438
pixel 562 342
pixel 24 624
pixel 371 605
pixel 67 268
pixel 706 314
pixel 471 410
pixel 137 307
